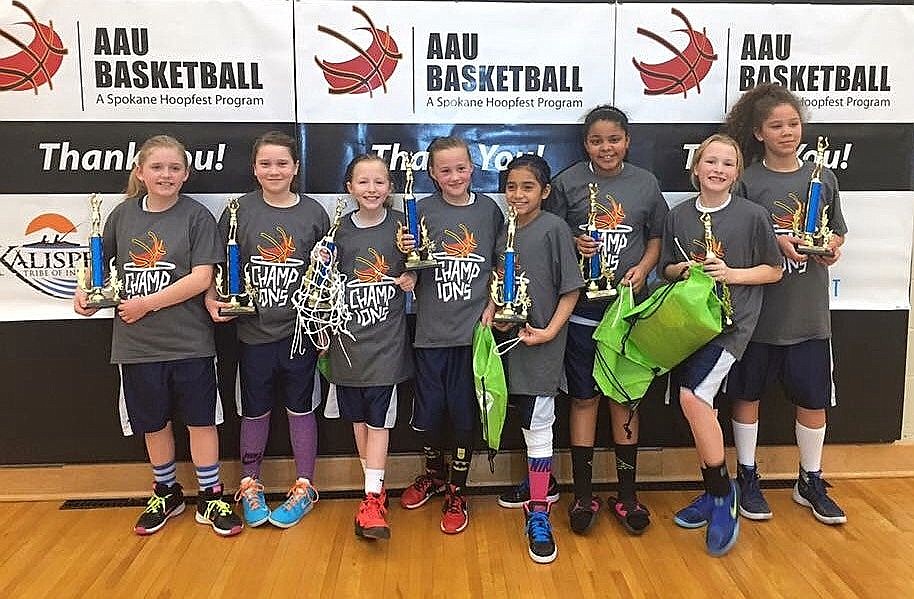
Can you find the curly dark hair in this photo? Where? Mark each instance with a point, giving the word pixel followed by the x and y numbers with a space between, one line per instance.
pixel 751 110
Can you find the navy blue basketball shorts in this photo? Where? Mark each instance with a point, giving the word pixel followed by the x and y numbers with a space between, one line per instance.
pixel 269 374
pixel 375 406
pixel 536 412
pixel 580 352
pixel 444 390
pixel 804 369
pixel 703 372
pixel 154 391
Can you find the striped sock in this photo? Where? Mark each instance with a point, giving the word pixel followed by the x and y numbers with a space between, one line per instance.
pixel 208 476
pixel 539 469
pixel 166 474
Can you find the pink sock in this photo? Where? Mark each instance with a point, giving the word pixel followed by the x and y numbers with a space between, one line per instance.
pixel 539 470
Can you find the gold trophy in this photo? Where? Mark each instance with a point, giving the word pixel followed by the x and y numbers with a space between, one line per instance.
pixel 100 293
pixel 721 289
pixel 242 301
pixel 814 232
pixel 420 256
pixel 596 268
pixel 510 291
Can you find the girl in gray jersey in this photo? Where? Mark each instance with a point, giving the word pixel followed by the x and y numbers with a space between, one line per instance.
pixel 792 342
pixel 276 229
pixel 367 371
pixel 733 241
pixel 165 245
pixel 545 256
pixel 450 300
pixel 630 215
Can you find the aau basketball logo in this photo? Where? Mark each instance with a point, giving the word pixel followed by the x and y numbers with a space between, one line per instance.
pixel 37 60
pixel 370 69
pixel 687 67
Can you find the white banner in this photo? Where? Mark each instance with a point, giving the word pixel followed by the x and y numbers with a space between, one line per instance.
pixel 138 60
pixel 691 62
pixel 465 62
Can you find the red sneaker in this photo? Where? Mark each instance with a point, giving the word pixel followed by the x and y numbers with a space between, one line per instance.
pixel 455 514
pixel 423 488
pixel 371 519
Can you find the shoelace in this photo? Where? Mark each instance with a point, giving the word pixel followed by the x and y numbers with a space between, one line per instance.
pixel 538 527
pixel 299 491
pixel 454 503
pixel 217 505
pixel 251 493
pixel 816 484
pixel 372 505
pixel 424 482
pixel 156 504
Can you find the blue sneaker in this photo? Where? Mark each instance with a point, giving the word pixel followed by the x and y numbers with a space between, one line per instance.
pixel 302 497
pixel 752 503
pixel 723 525
pixel 810 491
pixel 696 514
pixel 541 544
pixel 253 503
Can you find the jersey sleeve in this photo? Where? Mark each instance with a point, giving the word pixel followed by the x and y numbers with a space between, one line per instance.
pixel 568 276
pixel 205 247
pixel 835 216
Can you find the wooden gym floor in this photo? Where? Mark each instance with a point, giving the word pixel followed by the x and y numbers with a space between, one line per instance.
pixel 46 551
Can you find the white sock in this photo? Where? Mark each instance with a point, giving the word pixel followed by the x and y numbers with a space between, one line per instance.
pixel 374 480
pixel 810 442
pixel 745 437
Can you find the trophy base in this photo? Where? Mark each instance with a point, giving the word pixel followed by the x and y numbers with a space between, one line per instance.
pixel 510 318
pixel 599 294
pixel 238 311
pixel 420 264
pixel 815 250
pixel 102 302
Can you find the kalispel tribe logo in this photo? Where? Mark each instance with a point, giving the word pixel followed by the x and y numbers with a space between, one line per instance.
pixel 371 67
pixel 49 263
pixel 37 60
pixel 685 70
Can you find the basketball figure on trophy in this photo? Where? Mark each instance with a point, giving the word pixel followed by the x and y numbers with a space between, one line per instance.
pixel 815 233
pixel 243 302
pixel 100 293
pixel 509 291
pixel 420 256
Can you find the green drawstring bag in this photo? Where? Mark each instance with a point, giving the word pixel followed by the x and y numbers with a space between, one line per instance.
pixel 621 371
pixel 491 388
pixel 323 365
pixel 676 320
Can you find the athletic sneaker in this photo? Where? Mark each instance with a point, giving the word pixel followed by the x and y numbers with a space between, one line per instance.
pixel 810 491
pixel 301 499
pixel 213 510
pixel 582 514
pixel 455 515
pixel 752 503
pixel 633 516
pixel 520 494
pixel 723 525
pixel 541 543
pixel 371 519
pixel 696 514
pixel 165 502
pixel 253 502
pixel 423 488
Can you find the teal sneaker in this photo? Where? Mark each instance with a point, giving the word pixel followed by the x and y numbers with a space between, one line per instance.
pixel 253 503
pixel 723 525
pixel 301 500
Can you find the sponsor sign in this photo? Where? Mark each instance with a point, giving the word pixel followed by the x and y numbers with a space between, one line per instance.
pixel 408 62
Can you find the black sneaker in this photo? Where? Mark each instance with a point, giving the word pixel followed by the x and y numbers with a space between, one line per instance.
pixel 582 514
pixel 165 502
pixel 810 491
pixel 213 510
pixel 541 543
pixel 519 495
pixel 752 503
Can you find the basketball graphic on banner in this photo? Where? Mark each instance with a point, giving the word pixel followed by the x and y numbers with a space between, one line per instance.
pixel 682 72
pixel 37 60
